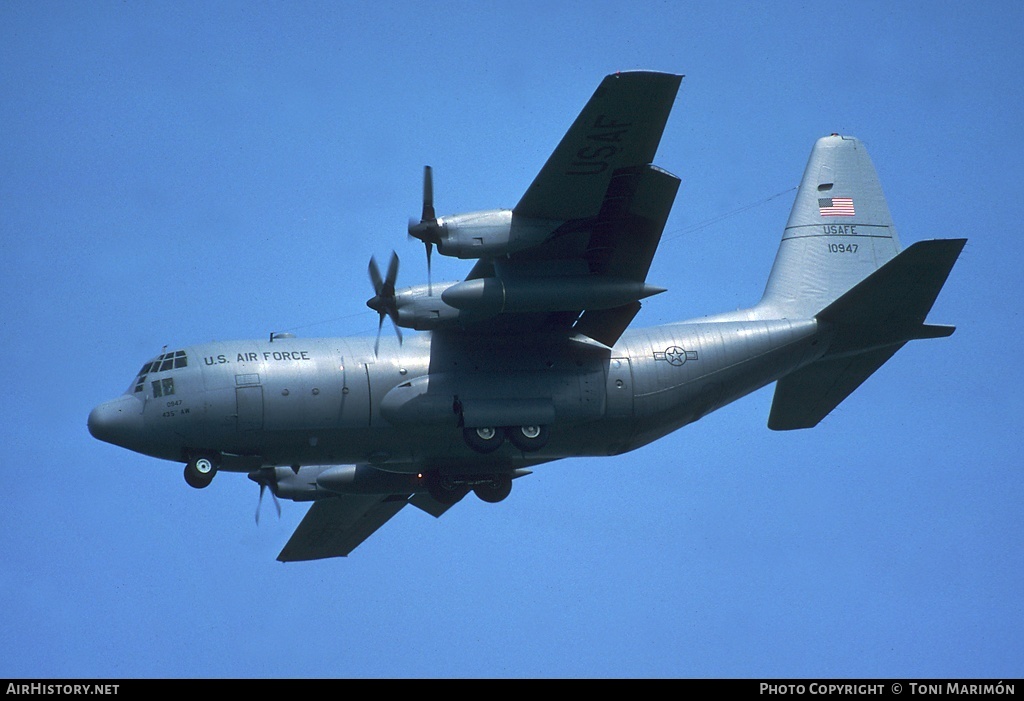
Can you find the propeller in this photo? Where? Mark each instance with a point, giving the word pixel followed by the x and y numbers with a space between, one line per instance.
pixel 383 301
pixel 427 229
pixel 265 477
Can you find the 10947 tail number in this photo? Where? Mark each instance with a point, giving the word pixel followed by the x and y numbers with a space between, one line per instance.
pixel 842 248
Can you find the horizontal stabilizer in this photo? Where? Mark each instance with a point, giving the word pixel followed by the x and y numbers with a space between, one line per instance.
pixel 868 325
pixel 891 304
pixel 808 395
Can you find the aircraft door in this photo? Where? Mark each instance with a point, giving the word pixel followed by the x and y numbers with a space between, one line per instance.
pixel 249 408
pixel 619 389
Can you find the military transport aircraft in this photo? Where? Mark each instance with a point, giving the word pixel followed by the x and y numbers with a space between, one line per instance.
pixel 530 359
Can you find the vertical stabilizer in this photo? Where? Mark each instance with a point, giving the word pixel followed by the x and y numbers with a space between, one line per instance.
pixel 839 232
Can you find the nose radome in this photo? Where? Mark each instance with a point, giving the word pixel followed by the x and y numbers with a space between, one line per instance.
pixel 118 421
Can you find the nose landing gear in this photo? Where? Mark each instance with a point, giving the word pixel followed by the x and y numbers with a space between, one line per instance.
pixel 200 470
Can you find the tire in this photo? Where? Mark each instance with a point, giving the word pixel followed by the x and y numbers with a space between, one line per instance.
pixel 200 471
pixel 495 491
pixel 485 439
pixel 528 438
pixel 443 491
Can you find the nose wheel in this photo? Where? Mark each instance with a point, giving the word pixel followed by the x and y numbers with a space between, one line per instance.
pixel 200 471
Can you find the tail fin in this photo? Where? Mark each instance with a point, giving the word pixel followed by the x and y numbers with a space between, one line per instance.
pixel 840 262
pixel 839 232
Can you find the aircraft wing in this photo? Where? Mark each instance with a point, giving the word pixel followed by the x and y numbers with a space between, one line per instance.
pixel 613 203
pixel 620 127
pixel 613 246
pixel 336 526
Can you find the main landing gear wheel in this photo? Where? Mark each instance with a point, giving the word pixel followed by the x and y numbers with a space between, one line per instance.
pixel 443 490
pixel 485 439
pixel 495 491
pixel 200 471
pixel 528 438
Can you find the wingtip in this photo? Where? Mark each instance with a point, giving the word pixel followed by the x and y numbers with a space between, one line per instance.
pixel 641 72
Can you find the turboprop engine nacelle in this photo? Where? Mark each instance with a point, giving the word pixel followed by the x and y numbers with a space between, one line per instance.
pixel 491 233
pixel 289 483
pixel 421 307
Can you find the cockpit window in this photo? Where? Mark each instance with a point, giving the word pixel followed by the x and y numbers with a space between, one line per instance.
pixel 167 361
pixel 164 387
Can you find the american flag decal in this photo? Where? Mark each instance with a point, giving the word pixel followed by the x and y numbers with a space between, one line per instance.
pixel 835 206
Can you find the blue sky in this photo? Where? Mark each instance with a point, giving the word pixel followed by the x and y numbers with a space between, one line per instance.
pixel 180 172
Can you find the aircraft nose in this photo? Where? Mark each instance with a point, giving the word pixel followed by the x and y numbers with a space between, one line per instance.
pixel 119 421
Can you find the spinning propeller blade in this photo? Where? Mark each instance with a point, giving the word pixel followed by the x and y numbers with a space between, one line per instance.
pixel 427 229
pixel 383 301
pixel 264 477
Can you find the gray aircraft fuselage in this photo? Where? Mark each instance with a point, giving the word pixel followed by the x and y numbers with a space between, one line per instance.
pixel 531 357
pixel 295 401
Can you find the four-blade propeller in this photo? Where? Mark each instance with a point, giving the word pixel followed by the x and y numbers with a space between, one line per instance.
pixel 383 301
pixel 265 477
pixel 427 228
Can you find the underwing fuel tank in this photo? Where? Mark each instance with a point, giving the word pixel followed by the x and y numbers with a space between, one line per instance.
pixel 491 295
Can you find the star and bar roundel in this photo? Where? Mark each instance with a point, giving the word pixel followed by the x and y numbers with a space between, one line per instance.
pixel 674 355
